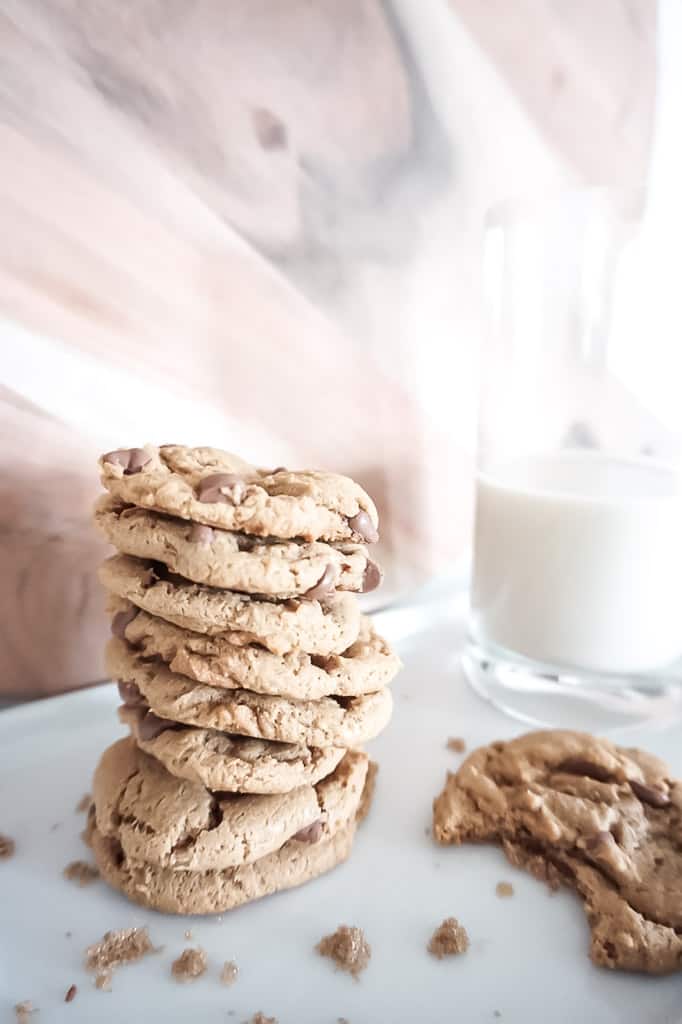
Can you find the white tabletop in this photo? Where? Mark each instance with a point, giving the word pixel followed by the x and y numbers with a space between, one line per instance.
pixel 528 956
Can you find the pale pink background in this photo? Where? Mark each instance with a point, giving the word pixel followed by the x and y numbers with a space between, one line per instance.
pixel 254 224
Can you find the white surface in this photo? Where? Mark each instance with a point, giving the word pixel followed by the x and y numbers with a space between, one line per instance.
pixel 578 559
pixel 528 955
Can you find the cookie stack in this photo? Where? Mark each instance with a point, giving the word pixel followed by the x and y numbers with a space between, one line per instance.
pixel 248 676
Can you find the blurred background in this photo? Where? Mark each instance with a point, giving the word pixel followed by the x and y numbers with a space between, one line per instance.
pixel 256 224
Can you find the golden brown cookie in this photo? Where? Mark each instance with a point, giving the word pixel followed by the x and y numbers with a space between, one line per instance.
pixel 174 823
pixel 365 667
pixel 210 486
pixel 328 722
pixel 236 561
pixel 323 628
pixel 581 812
pixel 235 764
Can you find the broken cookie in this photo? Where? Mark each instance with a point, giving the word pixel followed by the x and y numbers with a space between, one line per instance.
pixel 581 812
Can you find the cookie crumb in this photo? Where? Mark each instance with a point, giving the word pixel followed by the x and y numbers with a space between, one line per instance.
pixel 342 1020
pixel 84 803
pixel 449 939
pixel 24 1010
pixel 189 965
pixel 103 981
pixel 229 973
pixel 82 872
pixel 70 994
pixel 496 1013
pixel 456 744
pixel 120 947
pixel 428 830
pixel 260 1018
pixel 7 848
pixel 57 824
pixel 90 822
pixel 367 792
pixel 348 948
pixel 188 933
pixel 67 935
pixel 504 889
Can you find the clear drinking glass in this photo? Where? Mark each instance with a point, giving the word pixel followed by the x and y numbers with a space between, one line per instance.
pixel 576 617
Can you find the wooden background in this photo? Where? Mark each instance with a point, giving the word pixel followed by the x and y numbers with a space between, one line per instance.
pixel 254 223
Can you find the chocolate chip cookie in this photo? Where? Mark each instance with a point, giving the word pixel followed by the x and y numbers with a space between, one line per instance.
pixel 365 667
pixel 173 823
pixel 328 722
pixel 229 763
pixel 328 627
pixel 578 811
pixel 206 485
pixel 237 561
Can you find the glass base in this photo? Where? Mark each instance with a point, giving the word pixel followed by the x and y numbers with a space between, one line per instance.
pixel 550 697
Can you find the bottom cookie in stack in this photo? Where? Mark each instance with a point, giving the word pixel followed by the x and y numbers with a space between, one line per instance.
pixel 176 846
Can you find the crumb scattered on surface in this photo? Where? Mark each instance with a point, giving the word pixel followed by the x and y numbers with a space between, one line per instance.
pixel 103 981
pixel 189 965
pixel 57 824
pixel 23 1011
pixel 348 948
pixel 120 947
pixel 260 1018
pixel 229 973
pixel 342 1020
pixel 82 872
pixel 456 744
pixel 188 933
pixel 7 847
pixel 504 889
pixel 496 1013
pixel 449 939
pixel 68 935
pixel 70 994
pixel 84 803
pixel 368 791
pixel 428 830
pixel 86 834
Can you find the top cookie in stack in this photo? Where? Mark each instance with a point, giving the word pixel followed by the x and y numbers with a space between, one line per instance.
pixel 244 665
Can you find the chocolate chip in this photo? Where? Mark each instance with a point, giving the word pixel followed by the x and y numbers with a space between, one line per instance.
pixel 122 620
pixel 599 839
pixel 371 578
pixel 364 527
pixel 131 460
pixel 152 726
pixel 130 694
pixel 200 534
pixel 309 834
pixel 576 766
pixel 278 469
pixel 324 586
pixel 649 795
pixel 227 488
pixel 70 994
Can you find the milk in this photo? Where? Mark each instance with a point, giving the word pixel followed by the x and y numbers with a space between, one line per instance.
pixel 578 562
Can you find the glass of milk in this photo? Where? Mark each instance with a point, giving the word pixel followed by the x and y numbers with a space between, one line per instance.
pixel 576 596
